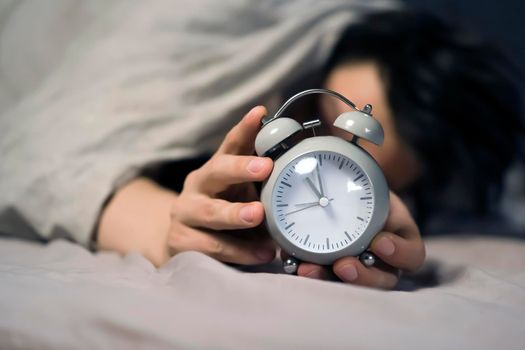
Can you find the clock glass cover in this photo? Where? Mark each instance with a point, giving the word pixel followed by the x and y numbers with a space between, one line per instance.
pixel 322 201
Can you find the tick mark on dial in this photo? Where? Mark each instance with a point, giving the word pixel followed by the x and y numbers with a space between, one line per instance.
pixel 365 198
pixel 286 184
pixel 287 227
pixel 347 235
pixel 306 239
pixel 282 205
pixel 360 218
pixel 357 178
pixel 342 163
pixel 327 243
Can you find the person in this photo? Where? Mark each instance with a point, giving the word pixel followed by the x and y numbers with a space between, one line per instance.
pixel 415 71
pixel 211 205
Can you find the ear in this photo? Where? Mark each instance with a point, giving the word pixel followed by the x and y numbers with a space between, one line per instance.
pixel 275 132
pixel 361 125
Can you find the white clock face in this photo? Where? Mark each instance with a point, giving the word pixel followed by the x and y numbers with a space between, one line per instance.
pixel 322 202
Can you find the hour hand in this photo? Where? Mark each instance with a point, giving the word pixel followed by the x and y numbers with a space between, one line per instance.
pixel 312 186
pixel 320 180
pixel 311 203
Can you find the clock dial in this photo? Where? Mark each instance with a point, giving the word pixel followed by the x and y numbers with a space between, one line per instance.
pixel 322 201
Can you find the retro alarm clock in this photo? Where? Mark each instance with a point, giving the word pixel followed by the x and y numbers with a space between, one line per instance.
pixel 326 197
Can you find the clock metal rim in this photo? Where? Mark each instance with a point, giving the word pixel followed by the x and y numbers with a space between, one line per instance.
pixel 365 162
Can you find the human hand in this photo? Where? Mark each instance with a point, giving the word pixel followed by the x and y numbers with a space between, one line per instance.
pixel 220 197
pixel 399 247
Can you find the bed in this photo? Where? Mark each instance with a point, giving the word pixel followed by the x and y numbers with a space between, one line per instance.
pixel 469 295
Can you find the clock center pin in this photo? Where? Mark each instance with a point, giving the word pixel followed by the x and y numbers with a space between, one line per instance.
pixel 323 202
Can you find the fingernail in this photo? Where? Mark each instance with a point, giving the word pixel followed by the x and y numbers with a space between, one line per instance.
pixel 265 254
pixel 315 273
pixel 385 246
pixel 255 165
pixel 246 213
pixel 348 272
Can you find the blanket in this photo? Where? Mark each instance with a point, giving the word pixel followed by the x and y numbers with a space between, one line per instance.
pixel 469 295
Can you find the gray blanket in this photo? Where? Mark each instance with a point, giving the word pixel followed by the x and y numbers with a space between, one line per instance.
pixel 121 85
pixel 471 295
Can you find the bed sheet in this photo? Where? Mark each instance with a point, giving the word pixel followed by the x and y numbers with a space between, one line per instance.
pixel 470 295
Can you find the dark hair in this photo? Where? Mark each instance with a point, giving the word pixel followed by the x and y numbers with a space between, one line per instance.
pixel 453 99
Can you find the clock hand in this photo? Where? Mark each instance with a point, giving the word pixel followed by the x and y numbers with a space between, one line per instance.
pixel 320 181
pixel 298 210
pixel 310 203
pixel 312 186
pixel 303 204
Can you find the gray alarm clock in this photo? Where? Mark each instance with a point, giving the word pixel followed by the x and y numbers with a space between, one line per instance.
pixel 326 197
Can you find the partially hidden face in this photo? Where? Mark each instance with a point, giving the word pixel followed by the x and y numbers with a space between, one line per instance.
pixel 363 84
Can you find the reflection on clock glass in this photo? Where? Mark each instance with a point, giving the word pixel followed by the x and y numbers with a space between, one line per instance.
pixel 322 201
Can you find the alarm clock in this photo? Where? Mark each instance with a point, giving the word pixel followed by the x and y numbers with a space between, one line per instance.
pixel 326 197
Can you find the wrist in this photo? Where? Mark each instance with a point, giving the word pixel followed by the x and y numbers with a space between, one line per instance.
pixel 137 218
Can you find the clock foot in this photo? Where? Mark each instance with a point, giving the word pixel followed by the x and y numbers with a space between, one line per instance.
pixel 368 259
pixel 290 265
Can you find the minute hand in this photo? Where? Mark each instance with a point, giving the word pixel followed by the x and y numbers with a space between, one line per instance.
pixel 295 211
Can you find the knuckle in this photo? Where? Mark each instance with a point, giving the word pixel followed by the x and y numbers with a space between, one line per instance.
pixel 384 280
pixel 418 261
pixel 175 238
pixel 180 210
pixel 215 166
pixel 234 214
pixel 215 248
pixel 192 178
pixel 240 164
pixel 391 282
pixel 208 214
pixel 232 138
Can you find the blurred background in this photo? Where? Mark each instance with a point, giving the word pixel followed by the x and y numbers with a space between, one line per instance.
pixel 501 22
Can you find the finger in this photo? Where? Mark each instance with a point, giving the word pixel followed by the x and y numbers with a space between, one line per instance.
pixel 351 270
pixel 314 271
pixel 310 270
pixel 405 254
pixel 399 220
pixel 241 138
pixel 220 246
pixel 218 214
pixel 224 170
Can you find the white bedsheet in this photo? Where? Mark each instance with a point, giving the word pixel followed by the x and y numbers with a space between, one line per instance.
pixel 61 296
